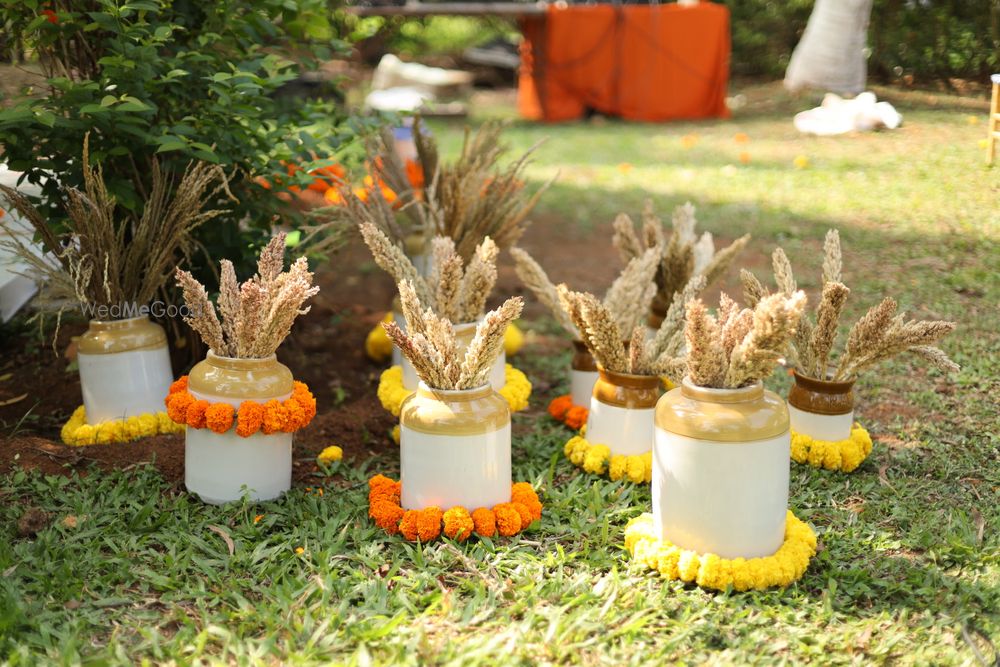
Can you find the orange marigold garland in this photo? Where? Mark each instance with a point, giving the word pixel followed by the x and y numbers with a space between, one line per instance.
pixel 458 523
pixel 251 417
pixel 561 408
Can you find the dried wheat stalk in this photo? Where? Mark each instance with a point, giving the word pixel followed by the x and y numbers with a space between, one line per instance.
pixel 877 336
pixel 256 316
pixel 452 290
pixel 429 343
pixel 683 255
pixel 535 279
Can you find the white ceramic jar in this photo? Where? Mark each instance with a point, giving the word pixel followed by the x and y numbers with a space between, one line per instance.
pixel 621 412
pixel 821 409
pixel 220 467
pixel 124 368
pixel 582 374
pixel 721 469
pixel 454 449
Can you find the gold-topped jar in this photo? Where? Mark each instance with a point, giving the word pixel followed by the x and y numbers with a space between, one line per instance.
pixel 621 412
pixel 454 448
pixel 124 368
pixel 235 380
pixel 720 469
pixel 625 390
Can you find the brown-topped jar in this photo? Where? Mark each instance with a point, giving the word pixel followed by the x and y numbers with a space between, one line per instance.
pixel 821 409
pixel 582 374
pixel 621 412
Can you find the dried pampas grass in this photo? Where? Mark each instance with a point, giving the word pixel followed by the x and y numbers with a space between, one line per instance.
pixel 429 343
pixel 453 289
pixel 257 315
pixel 877 336
pixel 683 254
pixel 741 346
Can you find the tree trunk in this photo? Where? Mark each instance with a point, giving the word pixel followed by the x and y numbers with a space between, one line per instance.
pixel 831 55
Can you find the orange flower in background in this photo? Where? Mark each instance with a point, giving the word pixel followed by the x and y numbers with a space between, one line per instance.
pixel 196 413
pixel 219 417
pixel 745 157
pixel 249 418
pixel 508 519
pixel 327 177
pixel 689 141
pixel 576 417
pixel 50 15
pixel 560 406
pixel 415 174
pixel 485 522
pixel 408 525
pixel 429 523
pixel 458 523
pixel 625 167
pixel 177 405
pixel 741 138
pixel 333 197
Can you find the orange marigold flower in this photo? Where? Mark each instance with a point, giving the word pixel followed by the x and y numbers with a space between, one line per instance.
pixel 429 523
pixel 387 515
pixel 458 523
pixel 523 493
pixel 305 399
pixel 485 522
pixel 408 524
pixel 508 519
pixel 560 406
pixel 219 417
pixel 275 417
pixel 177 406
pixel 415 174
pixel 249 418
pixel 196 413
pixel 296 415
pixel 180 384
pixel 524 513
pixel 576 416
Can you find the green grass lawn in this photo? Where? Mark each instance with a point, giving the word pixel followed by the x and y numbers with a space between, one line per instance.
pixel 908 569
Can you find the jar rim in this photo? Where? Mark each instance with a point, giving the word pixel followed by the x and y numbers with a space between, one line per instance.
pixel 455 394
pixel 628 379
pixel 107 325
pixel 239 362
pixel 822 386
pixel 751 392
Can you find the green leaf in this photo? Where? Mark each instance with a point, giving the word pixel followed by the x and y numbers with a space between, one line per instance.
pixel 172 144
pixel 108 100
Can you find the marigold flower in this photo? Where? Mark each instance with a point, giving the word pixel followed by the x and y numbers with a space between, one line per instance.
pixel 458 523
pixel 408 526
pixel 275 417
pixel 305 399
pixel 429 523
pixel 219 417
pixel 257 518
pixel 299 550
pixel 387 515
pixel 249 418
pixel 296 415
pixel 508 519
pixel 484 521
pixel 576 416
pixel 559 406
pixel 525 495
pixel 741 137
pixel 177 406
pixel 196 413
pixel 524 513
pixel 180 384
pixel 330 454
pixel 414 174
pixel 378 345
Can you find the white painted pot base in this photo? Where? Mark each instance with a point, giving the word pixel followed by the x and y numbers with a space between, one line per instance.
pixel 120 385
pixel 582 386
pixel 626 431
pixel 831 428
pixel 445 471
pixel 723 498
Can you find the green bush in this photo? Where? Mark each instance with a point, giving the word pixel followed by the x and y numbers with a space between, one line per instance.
pixel 174 79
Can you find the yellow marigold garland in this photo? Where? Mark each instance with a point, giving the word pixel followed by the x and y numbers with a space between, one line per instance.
pixel 392 393
pixel 458 523
pixel 378 346
pixel 77 432
pixel 843 455
pixel 785 566
pixel 598 460
pixel 251 417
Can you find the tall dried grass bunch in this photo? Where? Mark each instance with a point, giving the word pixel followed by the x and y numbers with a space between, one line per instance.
pixel 106 256
pixel 739 347
pixel 429 342
pixel 682 253
pixel 626 302
pixel 596 324
pixel 881 334
pixel 454 289
pixel 257 315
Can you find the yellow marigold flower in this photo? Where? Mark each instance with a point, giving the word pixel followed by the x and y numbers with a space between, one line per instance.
pixel 330 454
pixel 299 550
pixel 395 434
pixel 513 340
pixel 595 459
pixel 378 345
pixel 844 455
pixel 800 162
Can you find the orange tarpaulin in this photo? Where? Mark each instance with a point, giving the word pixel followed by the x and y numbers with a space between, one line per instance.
pixel 640 62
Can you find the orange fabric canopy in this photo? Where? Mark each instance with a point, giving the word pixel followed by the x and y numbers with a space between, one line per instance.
pixel 640 62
